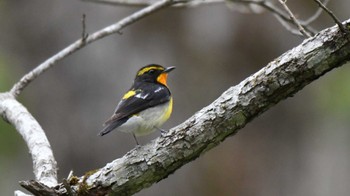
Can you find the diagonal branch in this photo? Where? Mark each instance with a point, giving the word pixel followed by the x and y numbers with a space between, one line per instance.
pixel 44 164
pixel 280 79
pixel 29 77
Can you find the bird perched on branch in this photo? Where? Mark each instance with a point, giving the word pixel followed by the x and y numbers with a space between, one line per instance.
pixel 146 106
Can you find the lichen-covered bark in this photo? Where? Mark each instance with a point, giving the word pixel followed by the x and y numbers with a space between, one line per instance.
pixel 282 78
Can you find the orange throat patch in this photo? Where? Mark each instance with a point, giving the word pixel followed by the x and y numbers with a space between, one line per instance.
pixel 162 78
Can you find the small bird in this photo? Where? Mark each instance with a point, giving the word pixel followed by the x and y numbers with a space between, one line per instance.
pixel 146 106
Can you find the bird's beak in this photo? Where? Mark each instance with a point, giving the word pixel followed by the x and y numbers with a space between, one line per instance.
pixel 169 69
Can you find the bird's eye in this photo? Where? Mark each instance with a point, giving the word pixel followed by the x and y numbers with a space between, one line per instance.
pixel 151 71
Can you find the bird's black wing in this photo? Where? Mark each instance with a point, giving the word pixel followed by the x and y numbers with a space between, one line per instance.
pixel 150 96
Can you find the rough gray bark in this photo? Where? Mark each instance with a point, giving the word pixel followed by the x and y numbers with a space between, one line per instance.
pixel 281 78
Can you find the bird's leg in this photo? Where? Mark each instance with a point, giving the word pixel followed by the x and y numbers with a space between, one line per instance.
pixel 162 131
pixel 137 143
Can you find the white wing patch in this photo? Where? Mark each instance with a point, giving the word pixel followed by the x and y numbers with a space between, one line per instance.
pixel 142 96
pixel 158 89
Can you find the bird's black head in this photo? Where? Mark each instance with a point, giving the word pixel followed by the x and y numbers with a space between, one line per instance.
pixel 153 73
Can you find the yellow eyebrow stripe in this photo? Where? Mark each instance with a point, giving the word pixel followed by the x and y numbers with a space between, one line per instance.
pixel 129 94
pixel 146 69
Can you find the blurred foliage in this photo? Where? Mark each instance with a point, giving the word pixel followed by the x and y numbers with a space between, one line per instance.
pixel 8 138
pixel 11 145
pixel 333 95
pixel 8 141
pixel 5 74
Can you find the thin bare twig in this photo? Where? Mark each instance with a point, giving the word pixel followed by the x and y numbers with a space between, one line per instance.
pixel 67 187
pixel 288 26
pixel 295 20
pixel 123 2
pixel 280 14
pixel 315 16
pixel 84 35
pixel 334 17
pixel 114 28
pixel 179 3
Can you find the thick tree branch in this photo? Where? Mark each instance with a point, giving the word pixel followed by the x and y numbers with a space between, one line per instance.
pixel 29 77
pixel 44 164
pixel 281 78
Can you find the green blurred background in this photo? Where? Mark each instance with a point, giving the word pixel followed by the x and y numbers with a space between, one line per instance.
pixel 299 147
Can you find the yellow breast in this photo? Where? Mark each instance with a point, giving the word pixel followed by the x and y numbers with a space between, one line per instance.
pixel 168 111
pixel 149 120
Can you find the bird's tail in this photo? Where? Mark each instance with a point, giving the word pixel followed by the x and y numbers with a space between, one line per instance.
pixel 110 126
